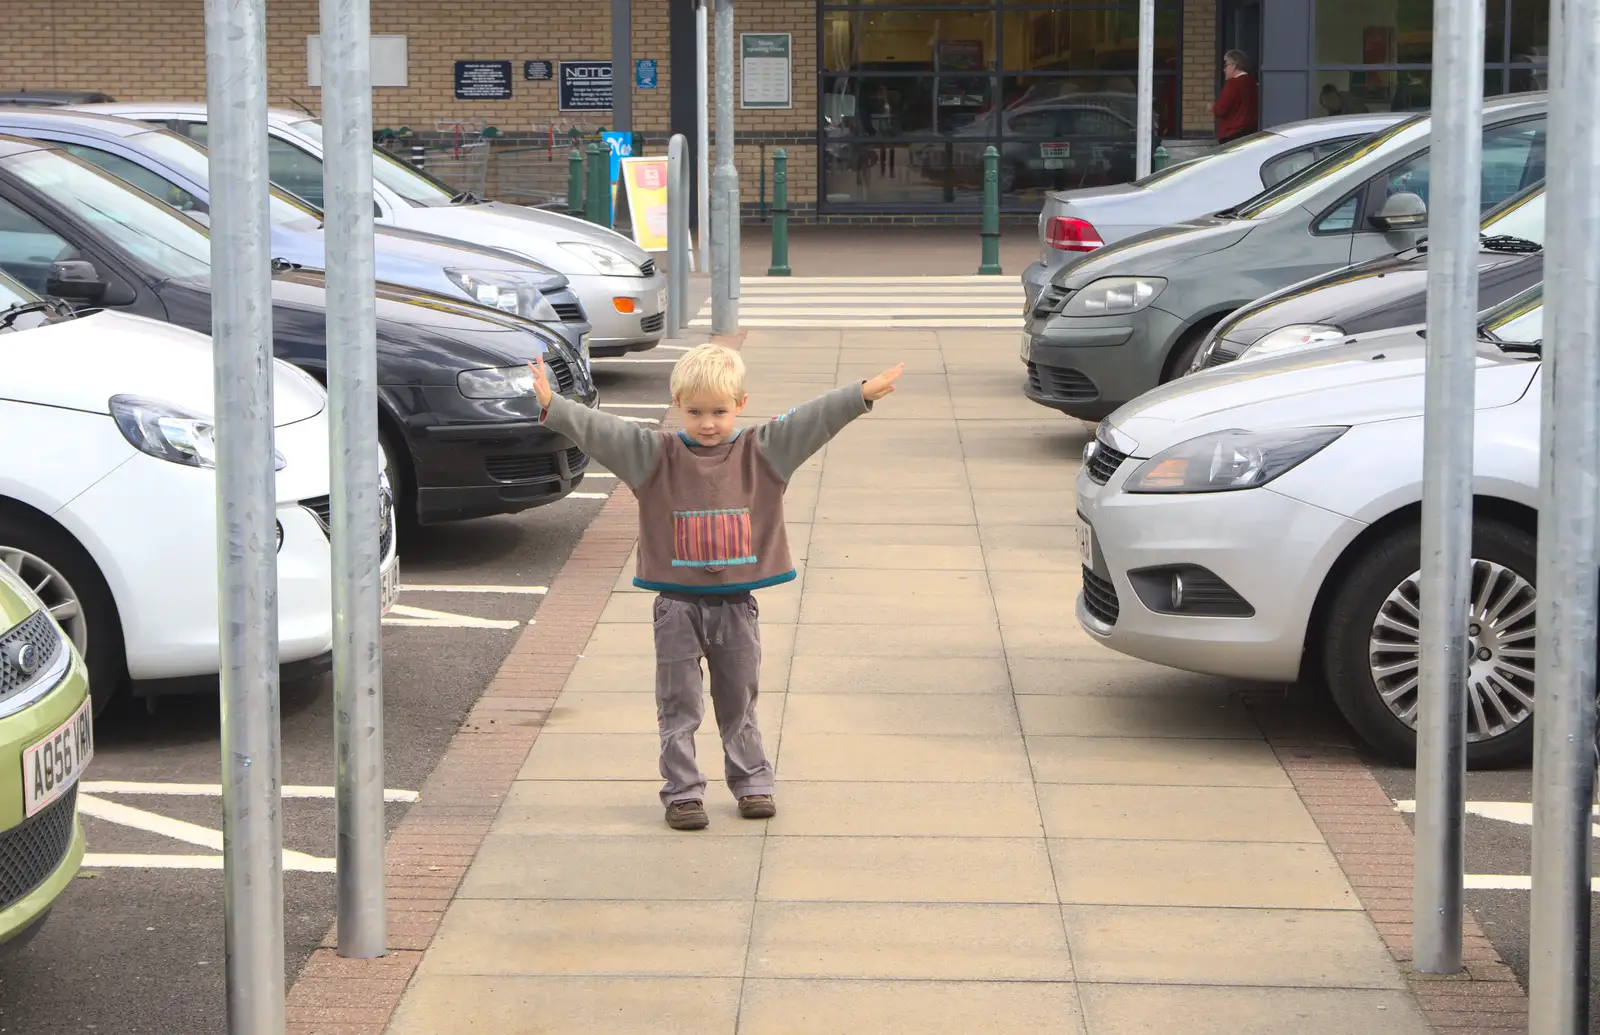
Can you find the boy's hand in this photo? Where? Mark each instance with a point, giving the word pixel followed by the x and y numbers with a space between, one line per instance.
pixel 541 383
pixel 883 384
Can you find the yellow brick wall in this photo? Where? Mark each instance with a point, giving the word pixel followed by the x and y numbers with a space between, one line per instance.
pixel 1199 63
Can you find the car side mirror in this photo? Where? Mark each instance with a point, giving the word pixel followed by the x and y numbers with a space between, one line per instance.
pixel 1403 211
pixel 75 280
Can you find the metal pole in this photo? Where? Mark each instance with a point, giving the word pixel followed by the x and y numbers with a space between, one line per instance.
pixel 780 215
pixel 1145 124
pixel 677 233
pixel 1564 721
pixel 354 464
pixel 702 167
pixel 989 228
pixel 575 189
pixel 1457 142
pixel 622 65
pixel 725 189
pixel 247 561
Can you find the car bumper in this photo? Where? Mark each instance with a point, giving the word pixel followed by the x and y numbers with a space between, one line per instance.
pixel 470 468
pixel 1089 366
pixel 1034 279
pixel 615 332
pixel 1274 552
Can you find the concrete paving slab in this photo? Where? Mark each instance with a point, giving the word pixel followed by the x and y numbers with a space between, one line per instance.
pixel 1043 549
pixel 1185 946
pixel 607 807
pixel 583 937
pixel 906 869
pixel 901 941
pixel 897 548
pixel 909 1008
pixel 875 473
pixel 1147 717
pixel 570 1006
pixel 902 507
pixel 892 609
pixel 1168 761
pixel 1176 813
pixel 697 865
pixel 897 758
pixel 909 583
pixel 855 809
pixel 870 641
pixel 1197 1010
pixel 640 640
pixel 1055 476
pixel 1038 506
pixel 601 712
pixel 824 673
pixel 1109 673
pixel 1200 873
pixel 1058 639
pixel 633 756
pixel 630 673
pixel 983 715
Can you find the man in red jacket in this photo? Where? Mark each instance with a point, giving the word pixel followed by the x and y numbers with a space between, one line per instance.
pixel 1235 108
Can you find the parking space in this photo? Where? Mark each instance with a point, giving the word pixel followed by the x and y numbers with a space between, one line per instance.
pixel 141 929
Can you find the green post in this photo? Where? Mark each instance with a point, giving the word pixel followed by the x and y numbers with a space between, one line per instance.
pixel 595 196
pixel 780 214
pixel 990 231
pixel 1159 159
pixel 575 184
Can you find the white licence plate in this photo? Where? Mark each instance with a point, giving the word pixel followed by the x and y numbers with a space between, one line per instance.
pixel 1027 344
pixel 1086 546
pixel 52 765
pixel 391 586
pixel 661 300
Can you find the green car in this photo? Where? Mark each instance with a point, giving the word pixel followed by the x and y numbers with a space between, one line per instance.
pixel 46 739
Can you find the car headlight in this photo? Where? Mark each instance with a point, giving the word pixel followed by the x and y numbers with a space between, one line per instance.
pixel 1224 461
pixel 496 382
pixel 170 432
pixel 1110 295
pixel 606 261
pixel 1293 338
pixel 505 292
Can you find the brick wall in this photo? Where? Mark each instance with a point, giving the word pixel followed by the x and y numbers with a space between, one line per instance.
pixel 1199 66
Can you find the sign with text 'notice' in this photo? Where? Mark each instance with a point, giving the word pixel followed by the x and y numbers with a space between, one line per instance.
pixel 584 86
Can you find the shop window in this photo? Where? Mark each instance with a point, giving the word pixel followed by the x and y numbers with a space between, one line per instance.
pixel 1374 32
pixel 1093 40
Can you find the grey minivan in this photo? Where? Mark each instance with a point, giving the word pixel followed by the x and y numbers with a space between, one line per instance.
pixel 1134 315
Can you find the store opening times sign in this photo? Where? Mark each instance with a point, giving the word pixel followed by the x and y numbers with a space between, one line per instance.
pixel 766 70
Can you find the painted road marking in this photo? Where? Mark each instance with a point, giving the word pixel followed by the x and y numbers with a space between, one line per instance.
pixel 214 790
pixel 421 617
pixel 177 830
pixel 429 587
pixel 1517 812
pixel 587 496
pixel 885 303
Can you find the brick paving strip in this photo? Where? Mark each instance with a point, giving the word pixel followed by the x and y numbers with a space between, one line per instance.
pixel 1375 847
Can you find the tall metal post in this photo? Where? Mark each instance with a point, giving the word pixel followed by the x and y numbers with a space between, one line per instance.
pixel 1569 526
pixel 1447 485
pixel 989 228
pixel 247 560
pixel 575 189
pixel 354 463
pixel 677 233
pixel 702 164
pixel 622 65
pixel 1145 123
pixel 725 189
pixel 780 215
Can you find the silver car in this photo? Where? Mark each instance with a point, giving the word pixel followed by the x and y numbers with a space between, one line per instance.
pixel 1076 222
pixel 623 294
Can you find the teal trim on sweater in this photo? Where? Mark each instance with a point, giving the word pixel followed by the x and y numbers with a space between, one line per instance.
pixel 741 587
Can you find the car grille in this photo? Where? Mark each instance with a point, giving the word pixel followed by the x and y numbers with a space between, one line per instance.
pixel 651 324
pixel 1103 462
pixel 30 852
pixel 37 631
pixel 534 466
pixel 570 312
pixel 560 371
pixel 1100 598
pixel 321 508
pixel 1062 383
pixel 1050 300
pixel 1219 356
pixel 647 268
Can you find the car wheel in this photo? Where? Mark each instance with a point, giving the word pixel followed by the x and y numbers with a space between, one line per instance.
pixel 1184 354
pixel 399 475
pixel 72 589
pixel 1372 648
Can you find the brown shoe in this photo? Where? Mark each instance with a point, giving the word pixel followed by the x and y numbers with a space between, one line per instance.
pixel 757 806
pixel 687 815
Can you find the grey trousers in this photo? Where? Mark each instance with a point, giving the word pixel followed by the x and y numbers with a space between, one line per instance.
pixel 726 632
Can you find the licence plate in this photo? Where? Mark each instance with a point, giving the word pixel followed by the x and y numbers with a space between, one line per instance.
pixel 52 765
pixel 390 586
pixel 1027 343
pixel 1086 545
pixel 661 300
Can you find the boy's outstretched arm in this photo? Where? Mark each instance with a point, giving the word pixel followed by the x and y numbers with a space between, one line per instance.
pixel 627 450
pixel 792 438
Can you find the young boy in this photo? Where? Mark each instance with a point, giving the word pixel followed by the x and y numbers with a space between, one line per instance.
pixel 711 530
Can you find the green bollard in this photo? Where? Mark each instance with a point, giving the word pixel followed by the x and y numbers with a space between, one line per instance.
pixel 990 231
pixel 595 196
pixel 1160 159
pixel 575 184
pixel 780 214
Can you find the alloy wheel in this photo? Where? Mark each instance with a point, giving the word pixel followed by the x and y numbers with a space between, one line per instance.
pixel 51 587
pixel 1501 626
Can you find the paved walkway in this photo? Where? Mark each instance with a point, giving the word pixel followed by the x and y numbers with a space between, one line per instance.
pixel 987 823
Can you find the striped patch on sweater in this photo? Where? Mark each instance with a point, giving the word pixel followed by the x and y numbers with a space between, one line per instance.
pixel 712 538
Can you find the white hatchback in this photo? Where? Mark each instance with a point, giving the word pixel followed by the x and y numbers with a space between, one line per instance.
pixel 108 495
pixel 1260 521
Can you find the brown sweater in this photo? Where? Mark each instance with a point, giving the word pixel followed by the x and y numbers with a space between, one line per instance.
pixel 710 517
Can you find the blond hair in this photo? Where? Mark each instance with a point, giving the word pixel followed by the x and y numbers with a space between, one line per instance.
pixel 709 372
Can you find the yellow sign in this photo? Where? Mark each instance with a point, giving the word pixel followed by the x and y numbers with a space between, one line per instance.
pixel 646 183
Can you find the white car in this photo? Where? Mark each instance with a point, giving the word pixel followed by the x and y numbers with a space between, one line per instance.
pixel 1260 521
pixel 108 495
pixel 623 294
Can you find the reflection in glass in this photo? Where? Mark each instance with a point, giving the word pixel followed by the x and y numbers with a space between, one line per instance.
pixel 1530 32
pixel 908 41
pixel 1105 40
pixel 891 107
pixel 1374 32
pixel 1369 90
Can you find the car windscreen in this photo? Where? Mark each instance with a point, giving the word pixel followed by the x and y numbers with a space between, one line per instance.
pixel 1305 184
pixel 1519 320
pixel 1519 216
pixel 418 188
pixel 283 208
pixel 169 244
pixel 13 293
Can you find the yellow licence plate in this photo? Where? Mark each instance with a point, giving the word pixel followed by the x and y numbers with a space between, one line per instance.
pixel 52 765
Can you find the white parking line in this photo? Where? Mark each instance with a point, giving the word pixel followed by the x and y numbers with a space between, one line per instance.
pixel 181 830
pixel 421 617
pixel 426 587
pixel 598 474
pixel 214 790
pixel 587 496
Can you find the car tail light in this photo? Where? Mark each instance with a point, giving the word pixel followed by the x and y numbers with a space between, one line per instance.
pixel 1066 234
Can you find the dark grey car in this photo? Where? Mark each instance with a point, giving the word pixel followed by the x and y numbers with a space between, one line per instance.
pixel 1134 315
